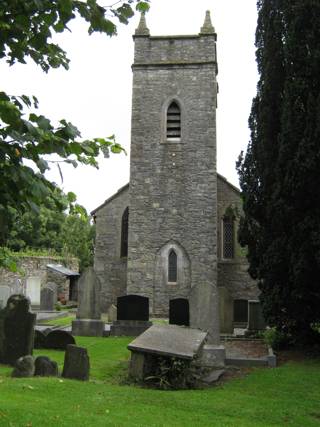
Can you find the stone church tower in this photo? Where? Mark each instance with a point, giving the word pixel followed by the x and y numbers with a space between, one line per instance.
pixel 170 234
pixel 173 182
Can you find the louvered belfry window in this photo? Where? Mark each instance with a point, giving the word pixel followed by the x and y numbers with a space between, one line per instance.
pixel 173 121
pixel 124 233
pixel 172 266
pixel 228 238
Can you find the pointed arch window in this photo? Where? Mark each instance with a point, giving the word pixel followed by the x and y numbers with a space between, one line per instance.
pixel 173 121
pixel 228 237
pixel 124 233
pixel 172 266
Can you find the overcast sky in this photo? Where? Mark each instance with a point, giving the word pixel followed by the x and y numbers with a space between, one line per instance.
pixel 95 94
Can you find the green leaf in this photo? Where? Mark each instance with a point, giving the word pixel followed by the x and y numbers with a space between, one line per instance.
pixel 44 123
pixel 42 165
pixel 142 6
pixel 71 197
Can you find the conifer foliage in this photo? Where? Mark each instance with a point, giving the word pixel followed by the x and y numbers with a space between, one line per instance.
pixel 280 173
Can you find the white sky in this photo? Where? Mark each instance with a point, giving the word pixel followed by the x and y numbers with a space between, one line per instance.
pixel 95 94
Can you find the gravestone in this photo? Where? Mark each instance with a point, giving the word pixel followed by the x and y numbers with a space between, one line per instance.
pixel 179 312
pixel 47 299
pixel 133 307
pixel 112 313
pixel 45 367
pixel 24 367
pixel 58 340
pixel 16 329
pixel 256 320
pixel 40 337
pixel 76 363
pixel 5 293
pixel 132 316
pixel 88 322
pixel 17 287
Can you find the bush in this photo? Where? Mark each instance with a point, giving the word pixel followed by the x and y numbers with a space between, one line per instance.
pixel 275 338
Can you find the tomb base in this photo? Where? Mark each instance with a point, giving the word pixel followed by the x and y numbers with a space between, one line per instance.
pixel 88 327
pixel 212 356
pixel 130 328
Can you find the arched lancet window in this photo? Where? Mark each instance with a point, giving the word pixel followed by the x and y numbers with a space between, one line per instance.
pixel 173 121
pixel 172 266
pixel 228 237
pixel 124 233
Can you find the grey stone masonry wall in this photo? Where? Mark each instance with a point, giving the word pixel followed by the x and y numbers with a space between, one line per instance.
pixel 173 187
pixel 110 268
pixel 233 273
pixel 36 266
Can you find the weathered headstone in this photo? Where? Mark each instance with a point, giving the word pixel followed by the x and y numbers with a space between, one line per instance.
pixel 88 322
pixel 76 363
pixel 179 312
pixel 58 340
pixel 256 320
pixel 16 329
pixel 5 293
pixel 47 299
pixel 112 313
pixel 45 367
pixel 132 316
pixel 24 367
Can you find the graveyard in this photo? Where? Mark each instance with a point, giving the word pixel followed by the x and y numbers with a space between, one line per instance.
pixel 94 380
pixel 287 395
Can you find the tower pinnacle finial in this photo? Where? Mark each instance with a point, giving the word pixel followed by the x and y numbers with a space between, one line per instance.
pixel 207 27
pixel 142 29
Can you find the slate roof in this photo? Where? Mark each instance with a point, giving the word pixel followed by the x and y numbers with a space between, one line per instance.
pixel 62 270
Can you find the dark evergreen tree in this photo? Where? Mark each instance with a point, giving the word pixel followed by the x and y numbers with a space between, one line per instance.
pixel 280 173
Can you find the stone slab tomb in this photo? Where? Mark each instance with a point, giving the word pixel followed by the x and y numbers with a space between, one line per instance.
pixel 132 316
pixel 16 329
pixel 76 363
pixel 164 340
pixel 179 312
pixel 88 322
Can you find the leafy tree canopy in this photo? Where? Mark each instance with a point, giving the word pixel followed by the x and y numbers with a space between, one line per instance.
pixel 27 138
pixel 279 175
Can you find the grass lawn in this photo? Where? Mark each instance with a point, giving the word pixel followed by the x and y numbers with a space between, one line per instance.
pixel 286 396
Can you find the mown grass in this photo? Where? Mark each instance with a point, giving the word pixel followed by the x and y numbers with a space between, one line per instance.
pixel 286 396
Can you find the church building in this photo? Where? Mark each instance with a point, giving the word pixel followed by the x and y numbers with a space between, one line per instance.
pixel 172 231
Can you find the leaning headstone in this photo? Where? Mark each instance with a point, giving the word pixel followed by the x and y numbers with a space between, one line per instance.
pixel 58 340
pixel 179 312
pixel 16 329
pixel 76 363
pixel 132 316
pixel 47 299
pixel 45 367
pixel 24 367
pixel 88 322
